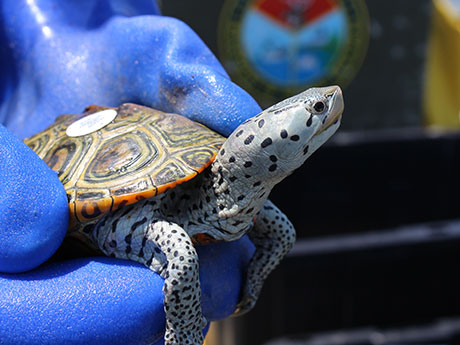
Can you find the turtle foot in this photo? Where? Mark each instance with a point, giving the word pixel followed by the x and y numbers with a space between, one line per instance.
pixel 245 305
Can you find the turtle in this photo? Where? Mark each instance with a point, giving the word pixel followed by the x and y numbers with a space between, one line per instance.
pixel 149 186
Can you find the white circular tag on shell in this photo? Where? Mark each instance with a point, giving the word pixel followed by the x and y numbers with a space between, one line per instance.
pixel 91 123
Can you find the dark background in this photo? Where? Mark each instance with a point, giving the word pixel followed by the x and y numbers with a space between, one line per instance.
pixel 376 209
pixel 387 92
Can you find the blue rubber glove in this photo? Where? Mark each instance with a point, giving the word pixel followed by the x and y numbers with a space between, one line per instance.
pixel 58 57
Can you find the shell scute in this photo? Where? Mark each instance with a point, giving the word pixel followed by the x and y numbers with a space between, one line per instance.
pixel 122 157
pixel 140 154
pixel 88 210
pixel 65 154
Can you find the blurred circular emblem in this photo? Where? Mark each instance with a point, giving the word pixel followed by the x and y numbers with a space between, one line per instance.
pixel 275 48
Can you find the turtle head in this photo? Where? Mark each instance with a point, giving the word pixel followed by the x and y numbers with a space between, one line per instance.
pixel 283 136
pixel 299 125
pixel 268 147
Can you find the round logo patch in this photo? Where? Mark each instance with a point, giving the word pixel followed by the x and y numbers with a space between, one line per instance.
pixel 275 48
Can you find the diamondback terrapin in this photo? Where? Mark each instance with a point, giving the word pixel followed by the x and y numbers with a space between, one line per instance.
pixel 128 175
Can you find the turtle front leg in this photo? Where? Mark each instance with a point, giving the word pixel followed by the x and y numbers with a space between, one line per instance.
pixel 165 248
pixel 273 235
pixel 182 292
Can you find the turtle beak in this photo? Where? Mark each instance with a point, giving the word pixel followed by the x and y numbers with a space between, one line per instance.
pixel 334 94
pixel 335 106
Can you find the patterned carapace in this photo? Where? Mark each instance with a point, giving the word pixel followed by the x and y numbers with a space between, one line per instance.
pixel 142 153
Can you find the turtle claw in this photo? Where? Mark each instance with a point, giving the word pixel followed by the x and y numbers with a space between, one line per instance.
pixel 245 305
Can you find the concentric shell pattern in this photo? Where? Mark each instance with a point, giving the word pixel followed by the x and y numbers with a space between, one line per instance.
pixel 140 154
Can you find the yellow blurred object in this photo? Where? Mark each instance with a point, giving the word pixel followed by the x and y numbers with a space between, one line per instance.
pixel 210 337
pixel 442 84
pixel 221 333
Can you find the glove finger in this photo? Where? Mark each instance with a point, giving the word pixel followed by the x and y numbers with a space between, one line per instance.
pixel 113 301
pixel 33 204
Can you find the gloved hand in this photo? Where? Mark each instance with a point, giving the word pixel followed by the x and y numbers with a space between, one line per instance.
pixel 58 57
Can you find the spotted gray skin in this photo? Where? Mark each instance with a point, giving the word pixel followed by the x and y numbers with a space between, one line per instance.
pixel 223 202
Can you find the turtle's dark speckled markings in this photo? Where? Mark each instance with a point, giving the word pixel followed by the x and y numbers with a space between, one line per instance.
pixel 126 195
pixel 266 142
pixel 305 150
pixel 249 139
pixel 138 223
pixel 280 111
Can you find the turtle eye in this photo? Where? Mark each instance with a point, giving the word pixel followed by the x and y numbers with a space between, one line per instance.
pixel 319 106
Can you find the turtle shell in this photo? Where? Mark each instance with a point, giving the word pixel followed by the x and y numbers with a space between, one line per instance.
pixel 140 154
